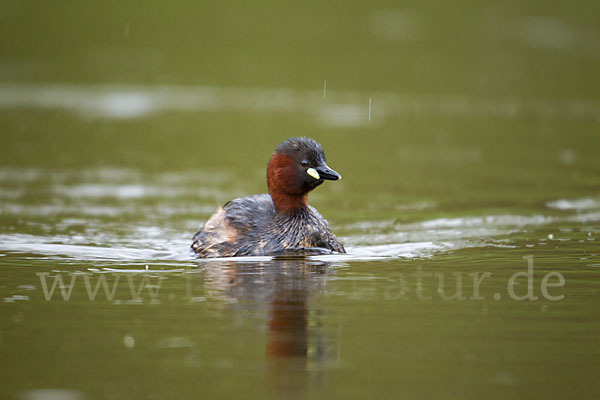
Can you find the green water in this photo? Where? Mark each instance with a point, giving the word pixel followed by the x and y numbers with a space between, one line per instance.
pixel 124 125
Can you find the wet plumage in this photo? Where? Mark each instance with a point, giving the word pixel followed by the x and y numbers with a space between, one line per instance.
pixel 250 226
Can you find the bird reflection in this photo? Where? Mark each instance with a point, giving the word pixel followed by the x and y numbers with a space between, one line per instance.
pixel 282 287
pixel 287 326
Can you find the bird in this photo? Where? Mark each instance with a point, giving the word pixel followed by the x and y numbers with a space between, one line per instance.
pixel 280 222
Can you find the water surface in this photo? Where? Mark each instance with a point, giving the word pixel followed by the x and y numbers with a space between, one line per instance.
pixel 470 204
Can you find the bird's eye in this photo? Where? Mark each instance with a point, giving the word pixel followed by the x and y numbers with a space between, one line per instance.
pixel 304 163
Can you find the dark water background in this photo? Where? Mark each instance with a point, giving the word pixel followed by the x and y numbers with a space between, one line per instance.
pixel 124 125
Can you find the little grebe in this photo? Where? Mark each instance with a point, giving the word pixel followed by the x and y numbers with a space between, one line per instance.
pixel 281 221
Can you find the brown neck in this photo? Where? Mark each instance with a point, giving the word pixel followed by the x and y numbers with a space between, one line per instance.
pixel 287 204
pixel 281 175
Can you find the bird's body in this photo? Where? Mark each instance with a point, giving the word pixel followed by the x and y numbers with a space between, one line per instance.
pixel 232 231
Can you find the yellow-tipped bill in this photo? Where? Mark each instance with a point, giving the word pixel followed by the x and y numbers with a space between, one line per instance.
pixel 313 172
